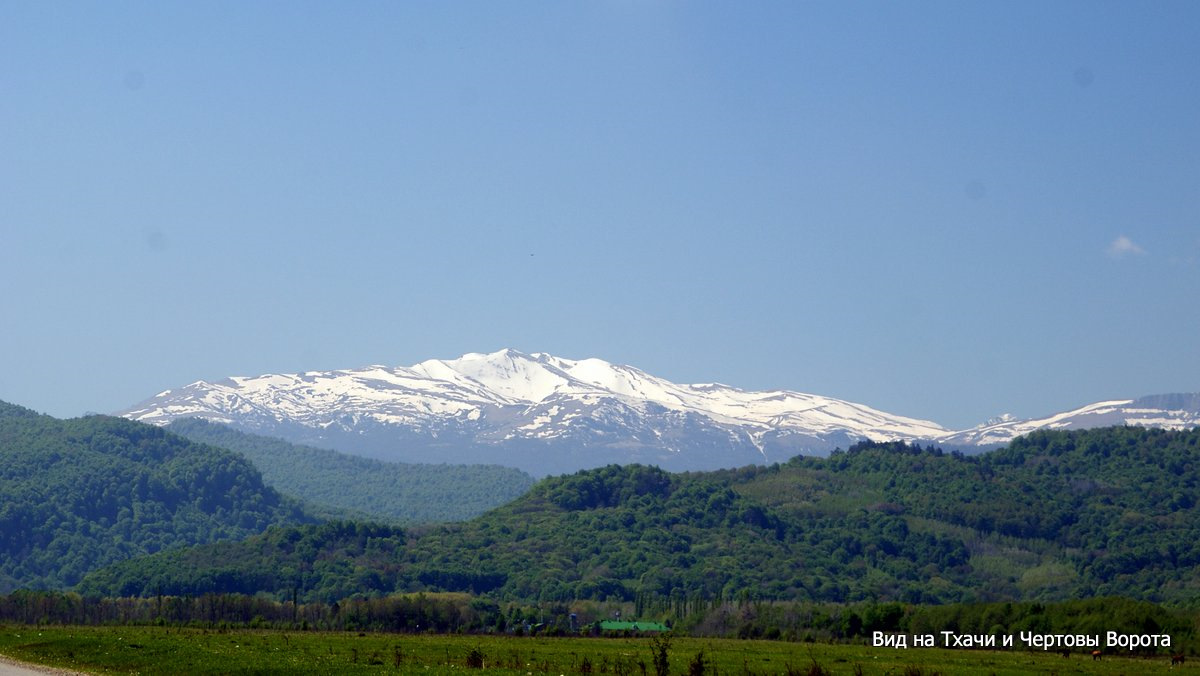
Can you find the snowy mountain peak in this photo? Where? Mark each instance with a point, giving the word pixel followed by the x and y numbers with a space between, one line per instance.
pixel 519 377
pixel 545 413
pixel 491 401
pixel 1168 411
pixel 1000 419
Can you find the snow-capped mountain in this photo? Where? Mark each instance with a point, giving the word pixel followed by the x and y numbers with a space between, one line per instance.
pixel 546 415
pixel 1168 411
pixel 538 412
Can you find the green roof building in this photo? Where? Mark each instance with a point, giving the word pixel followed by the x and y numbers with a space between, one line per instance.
pixel 614 625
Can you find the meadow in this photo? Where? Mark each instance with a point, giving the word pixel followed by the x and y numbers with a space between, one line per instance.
pixel 168 650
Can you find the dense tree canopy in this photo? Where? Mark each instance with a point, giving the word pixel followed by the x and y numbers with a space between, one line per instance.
pixel 1056 515
pixel 79 494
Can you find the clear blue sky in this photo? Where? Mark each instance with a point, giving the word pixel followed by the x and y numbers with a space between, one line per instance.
pixel 948 210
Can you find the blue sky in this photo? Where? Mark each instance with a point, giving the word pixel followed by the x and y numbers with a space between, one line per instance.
pixel 940 209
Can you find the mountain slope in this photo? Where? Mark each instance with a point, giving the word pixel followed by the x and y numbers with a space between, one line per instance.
pixel 537 412
pixel 547 415
pixel 613 531
pixel 405 493
pixel 1165 411
pixel 83 493
pixel 1053 516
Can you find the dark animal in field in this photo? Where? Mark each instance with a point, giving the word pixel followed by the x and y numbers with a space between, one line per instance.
pixel 1176 659
pixel 1096 654
pixel 1065 652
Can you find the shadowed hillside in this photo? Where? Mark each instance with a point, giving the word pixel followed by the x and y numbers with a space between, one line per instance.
pixel 407 493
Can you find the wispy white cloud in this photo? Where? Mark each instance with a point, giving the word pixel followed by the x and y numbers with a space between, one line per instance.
pixel 1122 247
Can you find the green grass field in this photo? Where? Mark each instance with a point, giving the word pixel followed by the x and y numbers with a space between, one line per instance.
pixel 157 650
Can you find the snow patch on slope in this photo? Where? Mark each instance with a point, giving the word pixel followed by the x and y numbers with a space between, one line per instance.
pixel 504 394
pixel 508 395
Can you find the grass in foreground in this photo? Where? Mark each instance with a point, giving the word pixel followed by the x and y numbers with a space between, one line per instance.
pixel 157 650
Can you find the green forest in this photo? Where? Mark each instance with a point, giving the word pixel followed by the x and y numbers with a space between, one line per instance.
pixel 881 536
pixel 396 492
pixel 76 495
pixel 1055 516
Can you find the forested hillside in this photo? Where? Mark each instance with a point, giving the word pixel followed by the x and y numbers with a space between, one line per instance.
pixel 1053 515
pixel 1056 515
pixel 407 493
pixel 79 494
pixel 329 561
pixel 608 532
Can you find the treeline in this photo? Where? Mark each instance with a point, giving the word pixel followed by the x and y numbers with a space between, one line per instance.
pixel 850 622
pixel 400 492
pixel 441 613
pixel 76 495
pixel 406 613
pixel 463 613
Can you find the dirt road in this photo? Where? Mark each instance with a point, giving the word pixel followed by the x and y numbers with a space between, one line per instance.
pixel 14 668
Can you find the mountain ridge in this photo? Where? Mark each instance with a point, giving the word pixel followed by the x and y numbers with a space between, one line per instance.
pixel 1166 411
pixel 545 414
